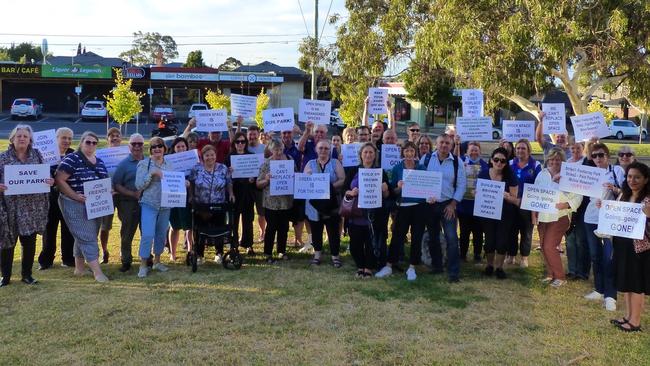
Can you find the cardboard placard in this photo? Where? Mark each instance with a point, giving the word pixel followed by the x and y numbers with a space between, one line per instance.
pixel 173 190
pixel 622 219
pixel 390 156
pixel 474 128
pixel 554 118
pixel 112 156
pixel 540 199
pixel 489 198
pixel 586 126
pixel 99 198
pixel 183 161
pixel 422 184
pixel 246 165
pixel 243 106
pixel 312 186
pixel 581 179
pixel 26 179
pixel 514 131
pixel 45 142
pixel 278 120
pixel 377 98
pixel 282 177
pixel 211 120
pixel 370 188
pixel 317 111
pixel 472 100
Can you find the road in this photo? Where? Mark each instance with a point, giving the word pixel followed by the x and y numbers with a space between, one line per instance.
pixel 55 121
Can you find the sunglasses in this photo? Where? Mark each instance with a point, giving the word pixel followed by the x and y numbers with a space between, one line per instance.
pixel 414 129
pixel 88 142
pixel 625 154
pixel 240 142
pixel 598 155
pixel 497 160
pixel 159 146
pixel 323 148
pixel 134 144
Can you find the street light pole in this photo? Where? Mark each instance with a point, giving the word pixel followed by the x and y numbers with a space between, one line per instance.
pixel 314 90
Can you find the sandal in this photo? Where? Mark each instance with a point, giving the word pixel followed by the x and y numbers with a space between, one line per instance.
pixel 618 322
pixel 336 262
pixel 631 328
pixel 315 262
pixel 367 275
pixel 360 274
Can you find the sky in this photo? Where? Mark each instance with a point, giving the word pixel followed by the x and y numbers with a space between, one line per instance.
pixel 65 23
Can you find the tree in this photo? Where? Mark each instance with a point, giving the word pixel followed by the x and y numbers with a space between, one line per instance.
pixel 218 100
pixel 194 59
pixel 429 84
pixel 4 55
pixel 123 103
pixel 262 104
pixel 596 106
pixel 146 47
pixel 230 64
pixel 25 51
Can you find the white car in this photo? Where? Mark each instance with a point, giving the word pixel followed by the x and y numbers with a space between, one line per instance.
pixel 26 107
pixel 196 107
pixel 622 128
pixel 93 109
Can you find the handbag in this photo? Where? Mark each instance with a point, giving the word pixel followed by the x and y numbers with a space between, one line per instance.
pixel 350 208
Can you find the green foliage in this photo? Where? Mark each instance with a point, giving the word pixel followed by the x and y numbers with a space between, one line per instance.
pixel 218 100
pixel 596 106
pixel 123 103
pixel 230 64
pixel 146 46
pixel 23 53
pixel 262 104
pixel 429 84
pixel 4 55
pixel 194 59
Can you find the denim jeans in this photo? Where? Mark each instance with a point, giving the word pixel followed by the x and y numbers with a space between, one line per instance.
pixel 153 227
pixel 435 220
pixel 577 251
pixel 601 251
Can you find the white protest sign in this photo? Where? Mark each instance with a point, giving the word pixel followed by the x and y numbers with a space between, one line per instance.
pixel 246 165
pixel 377 98
pixel 99 199
pixel 622 219
pixel 312 186
pixel 45 142
pixel 350 154
pixel 183 161
pixel 489 198
pixel 211 120
pixel 540 199
pixel 317 111
pixel 586 126
pixel 474 128
pixel 173 192
pixel 370 188
pixel 243 106
pixel 111 156
pixel 514 131
pixel 581 179
pixel 554 118
pixel 280 119
pixel 421 184
pixel 26 179
pixel 390 156
pixel 472 100
pixel 282 177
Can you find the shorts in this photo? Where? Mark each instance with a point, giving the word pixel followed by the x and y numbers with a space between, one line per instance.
pixel 259 202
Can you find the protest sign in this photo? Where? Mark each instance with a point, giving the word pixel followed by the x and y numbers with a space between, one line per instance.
pixel 246 165
pixel 581 179
pixel 540 199
pixel 350 154
pixel 514 131
pixel 45 142
pixel 474 128
pixel 282 177
pixel 390 156
pixel 586 126
pixel 421 184
pixel 317 111
pixel 369 188
pixel 183 161
pixel 243 106
pixel 211 120
pixel 312 186
pixel 622 219
pixel 172 189
pixel 99 198
pixel 554 118
pixel 489 198
pixel 111 156
pixel 280 119
pixel 472 100
pixel 377 98
pixel 26 179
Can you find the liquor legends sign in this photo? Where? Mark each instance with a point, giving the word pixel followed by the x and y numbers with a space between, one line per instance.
pixel 76 72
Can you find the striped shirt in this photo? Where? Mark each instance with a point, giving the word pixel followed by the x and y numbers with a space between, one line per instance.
pixel 81 170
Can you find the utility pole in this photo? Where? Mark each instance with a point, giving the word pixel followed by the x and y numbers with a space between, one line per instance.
pixel 314 88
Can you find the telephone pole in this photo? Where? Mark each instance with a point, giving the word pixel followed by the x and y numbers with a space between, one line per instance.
pixel 314 87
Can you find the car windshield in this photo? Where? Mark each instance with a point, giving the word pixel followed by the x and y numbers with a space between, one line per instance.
pixel 94 105
pixel 22 102
pixel 199 108
pixel 163 109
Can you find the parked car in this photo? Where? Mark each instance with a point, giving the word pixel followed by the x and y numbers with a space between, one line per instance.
pixel 496 133
pixel 196 107
pixel 336 120
pixel 622 128
pixel 93 109
pixel 26 107
pixel 161 111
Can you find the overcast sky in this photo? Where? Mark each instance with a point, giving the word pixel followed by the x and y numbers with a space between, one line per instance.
pixel 278 21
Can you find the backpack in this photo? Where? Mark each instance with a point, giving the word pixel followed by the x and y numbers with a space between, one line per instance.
pixel 427 159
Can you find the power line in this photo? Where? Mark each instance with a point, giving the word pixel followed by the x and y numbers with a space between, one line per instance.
pixel 177 44
pixel 303 17
pixel 325 21
pixel 173 36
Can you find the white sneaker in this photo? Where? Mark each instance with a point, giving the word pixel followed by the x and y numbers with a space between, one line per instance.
pixel 160 267
pixel 218 259
pixel 523 263
pixel 384 272
pixel 199 261
pixel 306 248
pixel 610 304
pixel 557 283
pixel 594 295
pixel 142 273
pixel 410 274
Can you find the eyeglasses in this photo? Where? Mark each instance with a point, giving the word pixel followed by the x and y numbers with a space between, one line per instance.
pixel 414 129
pixel 424 143
pixel 88 142
pixel 323 148
pixel 363 134
pixel 136 144
pixel 240 142
pixel 497 160
pixel 159 146
pixel 597 155
pixel 625 154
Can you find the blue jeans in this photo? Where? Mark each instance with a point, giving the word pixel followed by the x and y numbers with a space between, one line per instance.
pixel 435 222
pixel 601 251
pixel 153 226
pixel 577 251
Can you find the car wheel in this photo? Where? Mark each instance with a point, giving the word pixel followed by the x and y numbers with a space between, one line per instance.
pixel 644 135
pixel 619 135
pixel 495 135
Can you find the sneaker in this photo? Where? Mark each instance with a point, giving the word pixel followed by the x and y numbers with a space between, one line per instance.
pixel 125 267
pixel 283 256
pixel 218 259
pixel 306 248
pixel 410 274
pixel 546 280
pixel 523 263
pixel 142 273
pixel 101 278
pixel 384 272
pixel 160 267
pixel 509 260
pixel 610 304
pixel 31 281
pixel 489 270
pixel 200 261
pixel 44 267
pixel 556 283
pixel 500 274
pixel 594 295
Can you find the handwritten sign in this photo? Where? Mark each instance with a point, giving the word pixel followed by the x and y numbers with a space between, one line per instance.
pixel 623 219
pixel 246 165
pixel 370 188
pixel 554 118
pixel 390 156
pixel 317 111
pixel 280 119
pixel 312 186
pixel 489 199
pixel 211 120
pixel 540 199
pixel 474 128
pixel 422 184
pixel 377 98
pixel 112 156
pixel 350 154
pixel 282 177
pixel 514 131
pixel 472 100
pixel 586 126
pixel 173 192
pixel 26 179
pixel 183 161
pixel 581 179
pixel 45 142
pixel 99 199
pixel 243 106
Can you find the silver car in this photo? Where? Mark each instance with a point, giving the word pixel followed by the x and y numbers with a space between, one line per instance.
pixel 26 107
